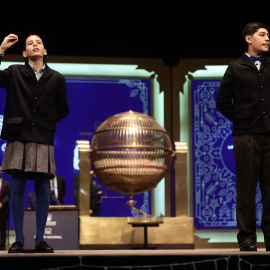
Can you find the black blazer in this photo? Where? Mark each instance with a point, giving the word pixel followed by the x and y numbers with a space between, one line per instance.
pixel 32 107
pixel 244 96
pixel 5 197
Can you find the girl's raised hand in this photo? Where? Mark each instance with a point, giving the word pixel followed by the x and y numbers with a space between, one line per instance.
pixel 8 41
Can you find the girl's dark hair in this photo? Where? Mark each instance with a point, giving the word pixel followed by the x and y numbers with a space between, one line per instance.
pixel 252 28
pixel 45 57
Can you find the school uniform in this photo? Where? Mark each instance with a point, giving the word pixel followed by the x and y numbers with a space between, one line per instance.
pixel 32 109
pixel 244 98
pixel 35 102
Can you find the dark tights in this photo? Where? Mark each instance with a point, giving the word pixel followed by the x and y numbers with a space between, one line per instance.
pixel 41 183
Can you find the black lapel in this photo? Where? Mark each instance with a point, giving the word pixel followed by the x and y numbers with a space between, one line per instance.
pixel 245 60
pixel 265 61
pixel 29 72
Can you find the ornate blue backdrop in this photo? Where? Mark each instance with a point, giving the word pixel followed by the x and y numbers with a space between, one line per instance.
pixel 214 194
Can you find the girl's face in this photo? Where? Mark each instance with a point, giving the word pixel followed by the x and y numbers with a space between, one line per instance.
pixel 34 48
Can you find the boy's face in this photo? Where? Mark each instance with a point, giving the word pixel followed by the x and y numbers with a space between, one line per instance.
pixel 258 42
pixel 34 47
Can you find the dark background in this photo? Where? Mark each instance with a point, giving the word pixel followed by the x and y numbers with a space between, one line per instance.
pixel 168 31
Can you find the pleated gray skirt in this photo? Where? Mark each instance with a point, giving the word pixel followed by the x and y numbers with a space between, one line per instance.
pixel 29 157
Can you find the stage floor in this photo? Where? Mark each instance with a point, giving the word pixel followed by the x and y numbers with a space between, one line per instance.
pixel 140 252
pixel 139 259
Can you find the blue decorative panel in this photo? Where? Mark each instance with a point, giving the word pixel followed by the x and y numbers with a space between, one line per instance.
pixel 214 191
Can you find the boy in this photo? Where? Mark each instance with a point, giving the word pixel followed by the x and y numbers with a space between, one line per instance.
pixel 244 98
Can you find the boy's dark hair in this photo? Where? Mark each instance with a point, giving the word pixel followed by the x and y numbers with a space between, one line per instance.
pixel 252 28
pixel 45 57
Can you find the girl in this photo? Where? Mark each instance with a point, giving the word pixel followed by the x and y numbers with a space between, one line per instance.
pixel 36 100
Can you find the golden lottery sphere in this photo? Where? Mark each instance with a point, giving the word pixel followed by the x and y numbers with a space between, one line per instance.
pixel 130 152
